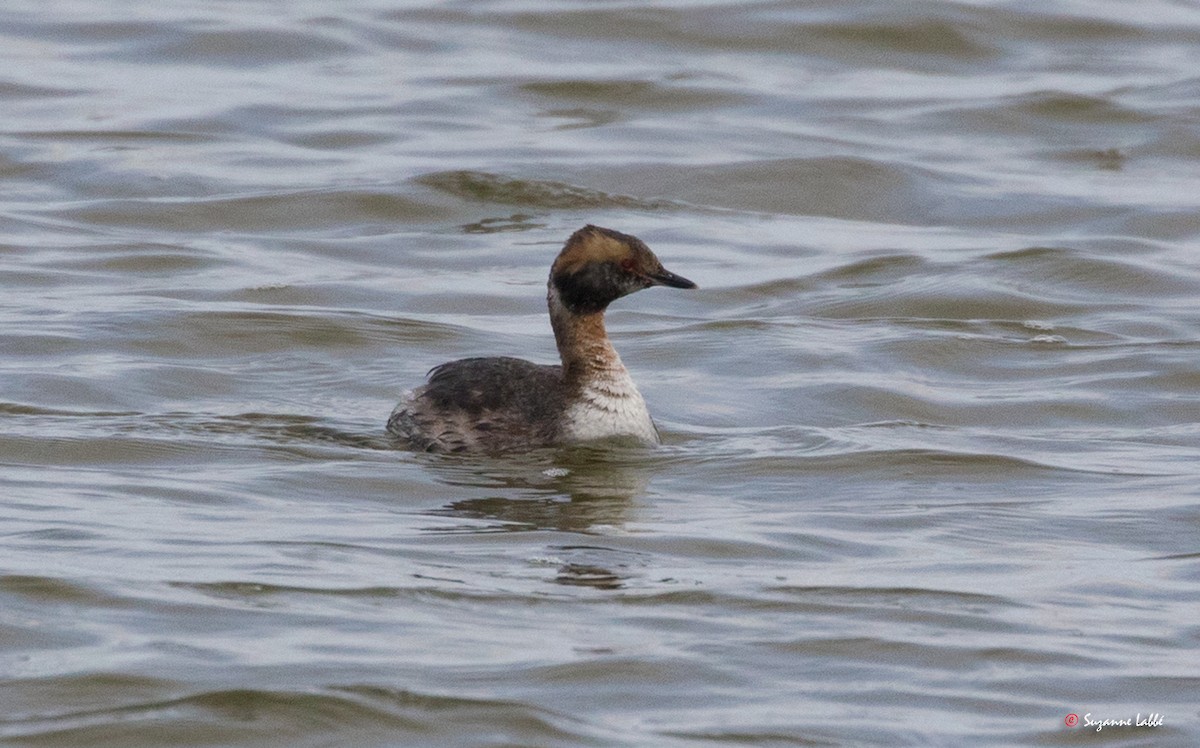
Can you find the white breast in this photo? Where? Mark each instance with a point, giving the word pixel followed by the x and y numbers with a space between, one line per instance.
pixel 609 407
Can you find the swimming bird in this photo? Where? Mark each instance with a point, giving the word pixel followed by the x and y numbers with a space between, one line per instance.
pixel 502 404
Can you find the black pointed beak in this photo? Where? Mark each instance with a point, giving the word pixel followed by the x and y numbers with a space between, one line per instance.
pixel 665 277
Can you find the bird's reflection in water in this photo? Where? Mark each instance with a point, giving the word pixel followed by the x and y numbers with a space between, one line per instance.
pixel 587 575
pixel 575 514
pixel 578 490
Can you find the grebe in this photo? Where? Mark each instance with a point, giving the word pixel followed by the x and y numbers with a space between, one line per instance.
pixel 501 404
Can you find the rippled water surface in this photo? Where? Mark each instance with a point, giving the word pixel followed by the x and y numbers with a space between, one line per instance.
pixel 932 420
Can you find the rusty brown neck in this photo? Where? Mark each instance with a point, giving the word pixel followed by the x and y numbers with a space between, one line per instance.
pixel 587 353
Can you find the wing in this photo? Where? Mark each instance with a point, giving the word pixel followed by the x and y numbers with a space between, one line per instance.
pixel 482 404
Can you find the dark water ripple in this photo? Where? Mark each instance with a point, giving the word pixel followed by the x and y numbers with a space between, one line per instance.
pixel 931 428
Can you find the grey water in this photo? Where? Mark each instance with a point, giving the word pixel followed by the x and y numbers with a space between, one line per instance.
pixel 931 422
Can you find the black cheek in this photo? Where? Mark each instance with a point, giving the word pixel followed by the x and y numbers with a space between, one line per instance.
pixel 588 290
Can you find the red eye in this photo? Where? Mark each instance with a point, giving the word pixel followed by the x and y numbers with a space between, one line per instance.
pixel 627 264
